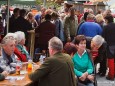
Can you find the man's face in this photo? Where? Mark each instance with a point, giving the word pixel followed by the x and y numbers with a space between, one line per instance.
pixel 94 46
pixel 9 48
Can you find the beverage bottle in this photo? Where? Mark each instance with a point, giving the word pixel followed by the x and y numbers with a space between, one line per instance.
pixel 29 66
pixel 18 69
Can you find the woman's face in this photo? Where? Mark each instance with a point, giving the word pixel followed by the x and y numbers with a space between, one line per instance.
pixel 82 45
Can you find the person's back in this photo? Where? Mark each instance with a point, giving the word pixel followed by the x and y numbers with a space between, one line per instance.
pixel 61 65
pixel 57 70
pixel 90 28
pixel 45 30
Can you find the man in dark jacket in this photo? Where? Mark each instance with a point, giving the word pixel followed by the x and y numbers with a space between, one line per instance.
pixel 109 34
pixel 57 70
pixel 44 33
pixel 21 24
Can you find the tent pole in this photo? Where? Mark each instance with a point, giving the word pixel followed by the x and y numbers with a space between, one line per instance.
pixel 8 12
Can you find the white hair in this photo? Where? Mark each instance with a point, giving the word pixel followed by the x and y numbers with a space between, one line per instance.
pixel 20 36
pixel 98 40
pixel 12 35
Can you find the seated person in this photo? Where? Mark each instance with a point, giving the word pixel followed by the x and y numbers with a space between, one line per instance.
pixel 20 48
pixel 20 55
pixel 54 67
pixel 70 48
pixel 83 66
pixel 8 59
pixel 97 45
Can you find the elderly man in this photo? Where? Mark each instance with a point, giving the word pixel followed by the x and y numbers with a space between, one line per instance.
pixel 8 59
pixel 57 70
pixel 98 50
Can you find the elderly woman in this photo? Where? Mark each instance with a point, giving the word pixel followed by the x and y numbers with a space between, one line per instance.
pixel 20 44
pixel 83 66
pixel 8 59
pixel 19 54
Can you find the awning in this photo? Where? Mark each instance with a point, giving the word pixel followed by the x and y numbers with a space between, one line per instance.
pixel 98 0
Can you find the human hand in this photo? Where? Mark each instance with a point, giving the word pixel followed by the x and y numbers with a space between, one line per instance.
pixel 91 78
pixel 5 73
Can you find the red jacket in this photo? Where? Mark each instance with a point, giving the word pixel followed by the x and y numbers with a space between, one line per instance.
pixel 20 55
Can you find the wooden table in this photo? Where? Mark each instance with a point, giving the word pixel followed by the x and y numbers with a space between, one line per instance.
pixel 24 82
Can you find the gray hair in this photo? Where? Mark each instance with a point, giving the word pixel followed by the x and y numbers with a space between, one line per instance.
pixel 98 40
pixel 56 44
pixel 11 34
pixel 20 36
pixel 7 39
pixel 90 16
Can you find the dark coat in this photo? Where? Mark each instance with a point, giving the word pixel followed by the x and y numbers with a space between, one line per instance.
pixel 57 70
pixel 44 32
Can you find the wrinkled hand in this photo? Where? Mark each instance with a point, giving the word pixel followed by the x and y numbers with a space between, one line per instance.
pixel 5 73
pixel 84 76
pixel 91 78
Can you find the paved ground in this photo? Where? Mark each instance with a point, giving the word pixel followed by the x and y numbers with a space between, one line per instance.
pixel 102 81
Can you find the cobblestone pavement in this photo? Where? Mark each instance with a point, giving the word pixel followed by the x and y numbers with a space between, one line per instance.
pixel 101 81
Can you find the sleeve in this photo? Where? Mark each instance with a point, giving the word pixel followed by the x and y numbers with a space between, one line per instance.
pixel 42 71
pixel 90 67
pixel 2 77
pixel 77 73
pixel 80 31
pixel 66 27
pixel 99 30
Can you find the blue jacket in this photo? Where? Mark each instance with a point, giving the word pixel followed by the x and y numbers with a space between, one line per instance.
pixel 90 29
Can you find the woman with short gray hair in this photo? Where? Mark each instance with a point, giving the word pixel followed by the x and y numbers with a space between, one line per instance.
pixel 21 43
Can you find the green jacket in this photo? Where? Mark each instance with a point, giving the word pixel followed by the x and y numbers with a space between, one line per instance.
pixel 2 77
pixel 57 70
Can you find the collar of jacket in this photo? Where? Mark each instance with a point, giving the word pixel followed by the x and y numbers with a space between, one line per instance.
pixel 90 20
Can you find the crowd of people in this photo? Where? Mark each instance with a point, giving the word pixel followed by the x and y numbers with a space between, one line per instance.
pixel 74 43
